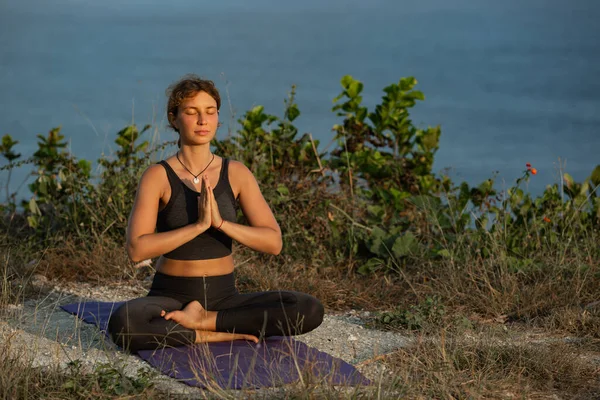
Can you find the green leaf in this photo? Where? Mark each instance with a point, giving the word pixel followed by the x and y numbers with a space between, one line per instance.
pixel 33 207
pixel 372 265
pixel 430 139
pixel 283 190
pixel 347 80
pixel 8 142
pixel 595 177
pixel 361 114
pixel 42 186
pixel 583 190
pixel 424 202
pixel 376 210
pixel 404 245
pixel 70 384
pixel 256 110
pixel 6 148
pixel 354 89
pixel 418 95
pixel 85 166
pixel 569 181
pixel 377 242
pixel 32 221
pixel 444 253
pixel 293 112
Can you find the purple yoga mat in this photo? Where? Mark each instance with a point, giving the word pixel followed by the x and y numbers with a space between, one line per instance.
pixel 238 364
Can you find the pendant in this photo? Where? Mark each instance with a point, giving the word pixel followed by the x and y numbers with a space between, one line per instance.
pixel 196 180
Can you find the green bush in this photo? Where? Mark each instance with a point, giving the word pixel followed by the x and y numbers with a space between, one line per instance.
pixel 372 202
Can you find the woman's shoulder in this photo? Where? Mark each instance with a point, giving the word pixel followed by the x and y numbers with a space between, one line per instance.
pixel 154 174
pixel 155 170
pixel 240 177
pixel 235 163
pixel 238 169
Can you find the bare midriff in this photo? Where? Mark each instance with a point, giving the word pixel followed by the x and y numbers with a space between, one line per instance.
pixel 212 267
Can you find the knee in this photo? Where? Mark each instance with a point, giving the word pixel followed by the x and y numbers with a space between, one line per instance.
pixel 312 312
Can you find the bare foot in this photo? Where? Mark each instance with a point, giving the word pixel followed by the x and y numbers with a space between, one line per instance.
pixel 193 316
pixel 208 336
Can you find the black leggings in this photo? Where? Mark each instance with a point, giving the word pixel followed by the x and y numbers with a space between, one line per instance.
pixel 137 324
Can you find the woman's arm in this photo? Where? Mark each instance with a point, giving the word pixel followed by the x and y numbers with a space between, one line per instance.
pixel 142 240
pixel 263 233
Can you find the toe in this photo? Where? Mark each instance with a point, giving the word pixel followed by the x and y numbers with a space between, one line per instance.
pixel 169 315
pixel 251 337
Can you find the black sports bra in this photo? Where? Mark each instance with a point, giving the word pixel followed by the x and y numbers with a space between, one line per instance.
pixel 182 209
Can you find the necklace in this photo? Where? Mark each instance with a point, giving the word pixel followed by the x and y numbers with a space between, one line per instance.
pixel 196 180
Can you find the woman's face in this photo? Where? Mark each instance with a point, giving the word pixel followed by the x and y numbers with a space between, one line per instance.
pixel 197 119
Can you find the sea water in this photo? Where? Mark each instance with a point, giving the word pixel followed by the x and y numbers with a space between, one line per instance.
pixel 509 82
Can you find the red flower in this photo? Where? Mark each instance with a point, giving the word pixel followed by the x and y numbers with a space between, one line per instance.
pixel 546 219
pixel 533 171
pixel 528 166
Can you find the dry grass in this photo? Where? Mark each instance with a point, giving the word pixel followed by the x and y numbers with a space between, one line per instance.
pixel 21 378
pixel 492 368
pixel 555 293
pixel 556 297
pixel 336 289
pixel 104 261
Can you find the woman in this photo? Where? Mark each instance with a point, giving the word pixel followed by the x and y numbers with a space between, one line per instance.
pixel 185 214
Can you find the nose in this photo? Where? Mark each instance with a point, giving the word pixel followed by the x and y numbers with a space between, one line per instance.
pixel 202 120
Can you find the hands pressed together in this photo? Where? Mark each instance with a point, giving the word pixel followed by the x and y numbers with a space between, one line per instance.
pixel 208 210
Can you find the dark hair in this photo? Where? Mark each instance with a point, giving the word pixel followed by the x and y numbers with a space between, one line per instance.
pixel 185 88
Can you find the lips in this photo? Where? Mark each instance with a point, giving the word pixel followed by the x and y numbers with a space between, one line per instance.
pixel 202 132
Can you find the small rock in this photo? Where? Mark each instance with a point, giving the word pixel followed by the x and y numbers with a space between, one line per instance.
pixel 14 308
pixel 141 264
pixel 39 280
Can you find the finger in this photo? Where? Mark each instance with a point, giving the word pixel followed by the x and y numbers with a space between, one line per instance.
pixel 207 201
pixel 202 192
pixel 200 207
pixel 211 193
pixel 204 183
pixel 207 209
pixel 208 192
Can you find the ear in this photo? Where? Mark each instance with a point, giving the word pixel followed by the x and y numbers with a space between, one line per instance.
pixel 173 120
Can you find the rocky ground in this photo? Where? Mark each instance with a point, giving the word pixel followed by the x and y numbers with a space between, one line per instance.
pixel 40 331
